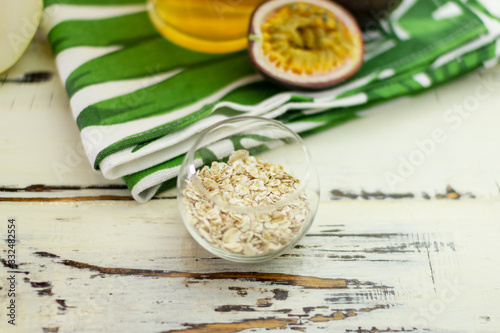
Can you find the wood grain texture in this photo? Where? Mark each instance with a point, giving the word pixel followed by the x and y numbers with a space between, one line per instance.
pixel 52 188
pixel 415 265
pixel 66 199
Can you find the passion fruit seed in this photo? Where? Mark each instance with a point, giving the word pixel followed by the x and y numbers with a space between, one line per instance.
pixel 305 38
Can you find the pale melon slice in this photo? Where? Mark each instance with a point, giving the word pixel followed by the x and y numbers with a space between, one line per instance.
pixel 19 20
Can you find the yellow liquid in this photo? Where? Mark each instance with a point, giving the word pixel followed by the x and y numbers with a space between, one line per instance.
pixel 212 26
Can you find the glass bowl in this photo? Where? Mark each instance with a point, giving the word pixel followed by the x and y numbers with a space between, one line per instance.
pixel 254 204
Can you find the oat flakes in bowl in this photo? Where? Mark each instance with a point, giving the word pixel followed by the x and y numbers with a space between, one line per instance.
pixel 256 203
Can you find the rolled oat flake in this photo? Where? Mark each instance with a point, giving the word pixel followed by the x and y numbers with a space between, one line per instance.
pixel 230 211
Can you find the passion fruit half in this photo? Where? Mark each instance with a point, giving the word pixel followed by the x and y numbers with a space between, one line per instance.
pixel 310 44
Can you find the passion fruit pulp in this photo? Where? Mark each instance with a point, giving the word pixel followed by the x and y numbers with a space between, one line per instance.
pixel 311 44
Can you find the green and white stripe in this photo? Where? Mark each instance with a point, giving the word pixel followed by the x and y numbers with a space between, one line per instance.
pixel 138 99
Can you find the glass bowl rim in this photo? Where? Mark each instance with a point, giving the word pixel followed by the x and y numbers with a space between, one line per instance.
pixel 189 160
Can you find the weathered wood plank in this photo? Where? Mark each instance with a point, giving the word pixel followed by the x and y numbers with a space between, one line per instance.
pixel 419 254
pixel 43 193
pixel 416 265
pixel 52 188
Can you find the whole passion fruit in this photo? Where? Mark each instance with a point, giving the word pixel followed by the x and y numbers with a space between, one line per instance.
pixel 310 44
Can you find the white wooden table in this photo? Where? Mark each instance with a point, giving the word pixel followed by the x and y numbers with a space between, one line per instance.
pixel 397 246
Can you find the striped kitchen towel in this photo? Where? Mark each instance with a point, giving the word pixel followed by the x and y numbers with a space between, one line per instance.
pixel 139 100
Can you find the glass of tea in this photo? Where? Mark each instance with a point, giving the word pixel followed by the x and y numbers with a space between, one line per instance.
pixel 211 26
